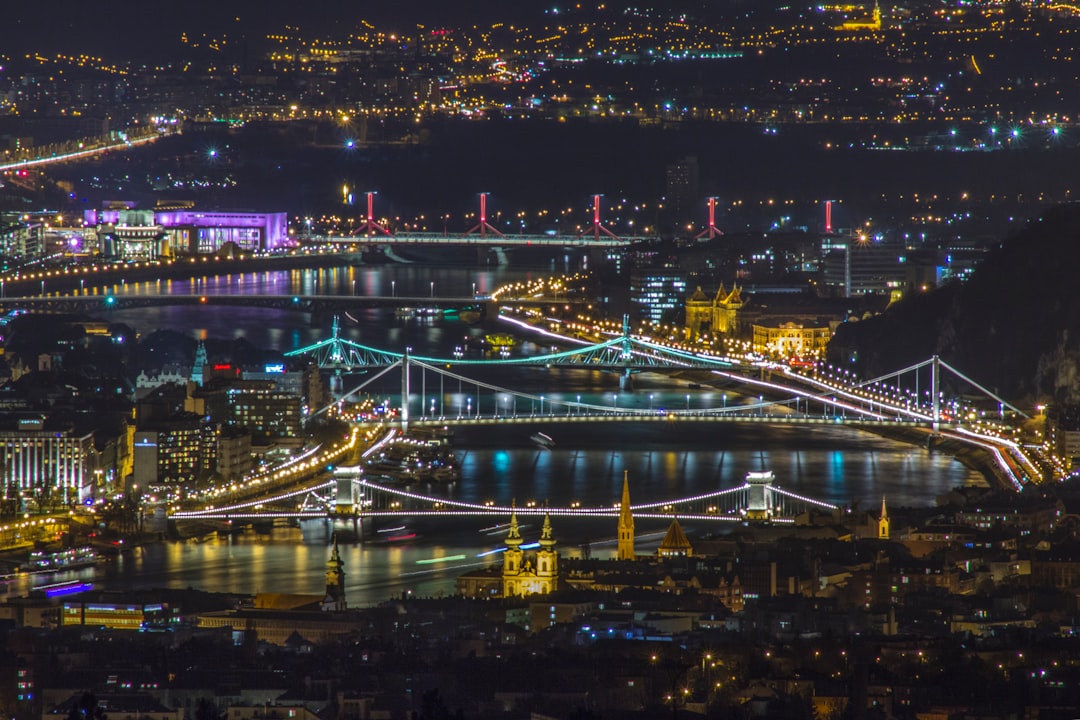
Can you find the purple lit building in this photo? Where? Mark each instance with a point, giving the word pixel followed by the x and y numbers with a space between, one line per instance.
pixel 188 231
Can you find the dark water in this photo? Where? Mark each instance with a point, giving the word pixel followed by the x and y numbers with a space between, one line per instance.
pixel 834 464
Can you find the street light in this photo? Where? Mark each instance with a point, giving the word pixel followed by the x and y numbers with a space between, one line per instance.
pixel 650 402
pixel 578 404
pixel 468 407
pixel 432 288
pixel 541 404
pixel 614 402
pixel 688 402
pixel 393 291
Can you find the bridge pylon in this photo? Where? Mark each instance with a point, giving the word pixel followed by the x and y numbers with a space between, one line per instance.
pixel 626 355
pixel 346 493
pixel 935 392
pixel 405 391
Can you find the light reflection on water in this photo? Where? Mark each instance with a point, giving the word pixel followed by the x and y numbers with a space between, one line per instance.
pixel 833 464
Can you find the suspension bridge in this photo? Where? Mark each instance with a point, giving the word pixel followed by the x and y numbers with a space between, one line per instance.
pixel 347 493
pixel 911 395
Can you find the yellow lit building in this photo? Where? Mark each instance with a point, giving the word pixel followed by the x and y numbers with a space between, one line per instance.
pixel 873 24
pixel 718 315
pixel 520 577
pixel 791 339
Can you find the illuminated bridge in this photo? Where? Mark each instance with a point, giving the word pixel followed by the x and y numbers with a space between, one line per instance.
pixel 488 240
pixel 761 393
pixel 349 494
pixel 92 302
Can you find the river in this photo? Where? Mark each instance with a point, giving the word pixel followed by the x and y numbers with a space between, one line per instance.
pixel 830 463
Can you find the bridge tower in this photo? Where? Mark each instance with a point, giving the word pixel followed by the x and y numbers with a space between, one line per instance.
pixel 484 226
pixel 625 549
pixel 759 495
pixel 626 356
pixel 711 231
pixel 347 494
pixel 405 391
pixel 371 226
pixel 597 227
pixel 935 391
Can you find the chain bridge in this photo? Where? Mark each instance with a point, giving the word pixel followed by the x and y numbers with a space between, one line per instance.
pixel 350 494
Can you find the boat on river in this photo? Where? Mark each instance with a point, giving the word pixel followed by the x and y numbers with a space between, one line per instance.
pixel 500 340
pixel 71 559
pixel 542 440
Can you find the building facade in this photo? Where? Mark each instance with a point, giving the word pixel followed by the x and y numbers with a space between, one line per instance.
pixel 520 576
pixel 718 315
pixel 791 339
pixel 128 232
pixel 38 461
pixel 655 293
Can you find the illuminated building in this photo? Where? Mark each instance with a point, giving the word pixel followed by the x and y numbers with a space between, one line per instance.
pixel 182 449
pixel 717 316
pixel 625 549
pixel 198 368
pixel 883 522
pixel 675 542
pixel 334 600
pixel 128 232
pixel 47 462
pixel 114 615
pixel 790 339
pixel 855 267
pixel 263 409
pixel 873 24
pixel 520 577
pixel 145 384
pixel 21 238
pixel 657 292
pixel 132 234
pixel 172 445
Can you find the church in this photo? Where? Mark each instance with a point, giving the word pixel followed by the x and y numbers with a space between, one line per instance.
pixel 718 315
pixel 522 573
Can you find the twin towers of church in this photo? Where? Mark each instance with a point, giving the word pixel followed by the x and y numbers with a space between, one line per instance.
pixel 522 576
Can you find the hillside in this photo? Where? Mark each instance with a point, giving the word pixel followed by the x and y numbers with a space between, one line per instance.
pixel 1014 326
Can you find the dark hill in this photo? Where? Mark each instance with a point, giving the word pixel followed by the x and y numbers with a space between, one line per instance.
pixel 1014 327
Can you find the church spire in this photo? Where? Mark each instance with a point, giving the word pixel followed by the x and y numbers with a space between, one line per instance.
pixel 547 540
pixel 198 367
pixel 625 549
pixel 335 580
pixel 883 522
pixel 513 535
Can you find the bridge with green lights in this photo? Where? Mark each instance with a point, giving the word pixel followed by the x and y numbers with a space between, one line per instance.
pixel 761 392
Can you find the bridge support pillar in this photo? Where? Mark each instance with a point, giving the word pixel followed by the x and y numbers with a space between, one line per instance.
pixel 346 492
pixel 935 392
pixel 626 381
pixel 405 392
pixel 759 495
